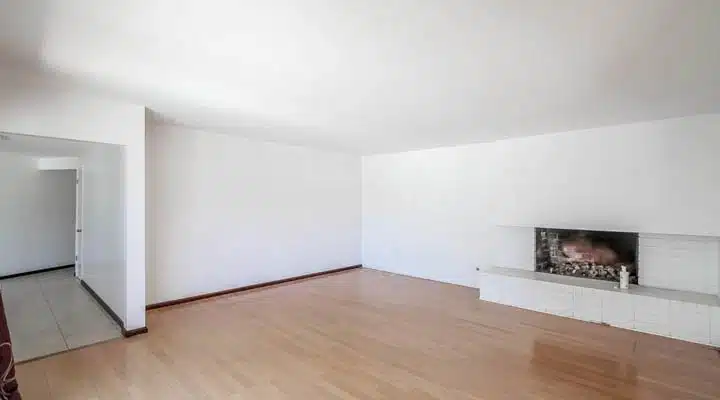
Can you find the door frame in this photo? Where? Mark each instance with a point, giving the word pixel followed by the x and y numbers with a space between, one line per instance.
pixel 79 222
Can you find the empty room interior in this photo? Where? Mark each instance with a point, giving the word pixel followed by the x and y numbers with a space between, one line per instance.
pixel 50 296
pixel 316 199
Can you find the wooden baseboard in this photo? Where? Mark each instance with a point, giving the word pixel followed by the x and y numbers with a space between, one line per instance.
pixel 246 288
pixel 103 304
pixel 37 271
pixel 126 333
pixel 134 332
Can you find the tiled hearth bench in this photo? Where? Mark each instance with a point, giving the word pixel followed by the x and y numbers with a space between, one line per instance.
pixel 689 316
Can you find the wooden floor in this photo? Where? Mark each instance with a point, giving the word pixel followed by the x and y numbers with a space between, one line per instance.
pixel 365 334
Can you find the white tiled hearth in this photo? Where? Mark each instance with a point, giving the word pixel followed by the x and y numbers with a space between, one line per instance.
pixel 683 315
pixel 678 295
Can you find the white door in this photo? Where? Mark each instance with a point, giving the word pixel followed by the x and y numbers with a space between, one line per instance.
pixel 78 222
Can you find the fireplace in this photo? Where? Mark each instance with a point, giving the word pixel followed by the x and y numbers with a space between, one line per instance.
pixel 586 254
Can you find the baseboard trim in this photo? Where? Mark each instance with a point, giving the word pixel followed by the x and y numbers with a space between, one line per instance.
pixel 246 288
pixel 37 271
pixel 103 304
pixel 126 333
pixel 134 332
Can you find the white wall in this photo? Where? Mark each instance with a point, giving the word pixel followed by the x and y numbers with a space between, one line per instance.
pixel 679 262
pixel 435 213
pixel 58 163
pixel 425 213
pixel 226 212
pixel 37 214
pixel 655 177
pixel 103 264
pixel 33 105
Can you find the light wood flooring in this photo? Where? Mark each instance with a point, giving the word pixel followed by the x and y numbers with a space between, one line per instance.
pixel 366 334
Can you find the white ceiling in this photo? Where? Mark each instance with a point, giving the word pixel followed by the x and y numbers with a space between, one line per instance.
pixel 383 75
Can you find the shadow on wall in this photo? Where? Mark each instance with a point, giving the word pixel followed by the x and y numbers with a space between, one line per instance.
pixel 23 29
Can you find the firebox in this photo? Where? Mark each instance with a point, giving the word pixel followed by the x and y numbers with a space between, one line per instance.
pixel 586 254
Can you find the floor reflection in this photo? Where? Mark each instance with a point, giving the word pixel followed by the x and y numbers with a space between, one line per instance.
pixel 575 364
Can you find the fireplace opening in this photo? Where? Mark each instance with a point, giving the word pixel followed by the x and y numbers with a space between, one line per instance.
pixel 586 254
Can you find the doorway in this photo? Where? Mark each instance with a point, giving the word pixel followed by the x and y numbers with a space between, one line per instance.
pixel 78 221
pixel 62 243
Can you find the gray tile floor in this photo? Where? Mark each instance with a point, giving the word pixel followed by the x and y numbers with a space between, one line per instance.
pixel 50 312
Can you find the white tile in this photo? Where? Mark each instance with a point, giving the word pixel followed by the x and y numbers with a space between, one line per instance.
pixel 490 288
pixel 56 280
pixel 88 319
pixel 509 294
pixel 607 286
pixel 690 322
pixel 64 309
pixel 65 274
pixel 93 334
pixel 537 292
pixel 588 305
pixel 623 325
pixel 541 291
pixel 88 327
pixel 617 309
pixel 20 287
pixel 649 310
pixel 88 311
pixel 520 293
pixel 29 321
pixel 71 292
pixel 27 279
pixel 715 326
pixel 42 343
pixel 31 303
pixel 558 299
pixel 649 327
pixel 78 314
pixel 49 311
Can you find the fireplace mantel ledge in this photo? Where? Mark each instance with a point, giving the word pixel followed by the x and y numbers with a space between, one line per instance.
pixel 667 294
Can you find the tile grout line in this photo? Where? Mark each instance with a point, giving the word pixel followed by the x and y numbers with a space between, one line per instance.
pixel 57 323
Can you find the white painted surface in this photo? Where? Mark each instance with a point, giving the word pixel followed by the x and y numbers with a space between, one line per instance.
pixel 514 247
pixel 690 321
pixel 587 303
pixel 79 208
pixel 37 210
pixel 104 224
pixel 435 213
pixel 715 326
pixel 680 262
pixel 227 212
pixel 35 146
pixel 58 163
pixel 31 105
pixel 604 286
pixel 654 177
pixel 50 313
pixel 652 315
pixel 617 309
pixel 383 76
pixel 680 315
pixel 426 213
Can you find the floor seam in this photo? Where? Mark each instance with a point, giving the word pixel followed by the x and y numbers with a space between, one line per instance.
pixel 62 335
